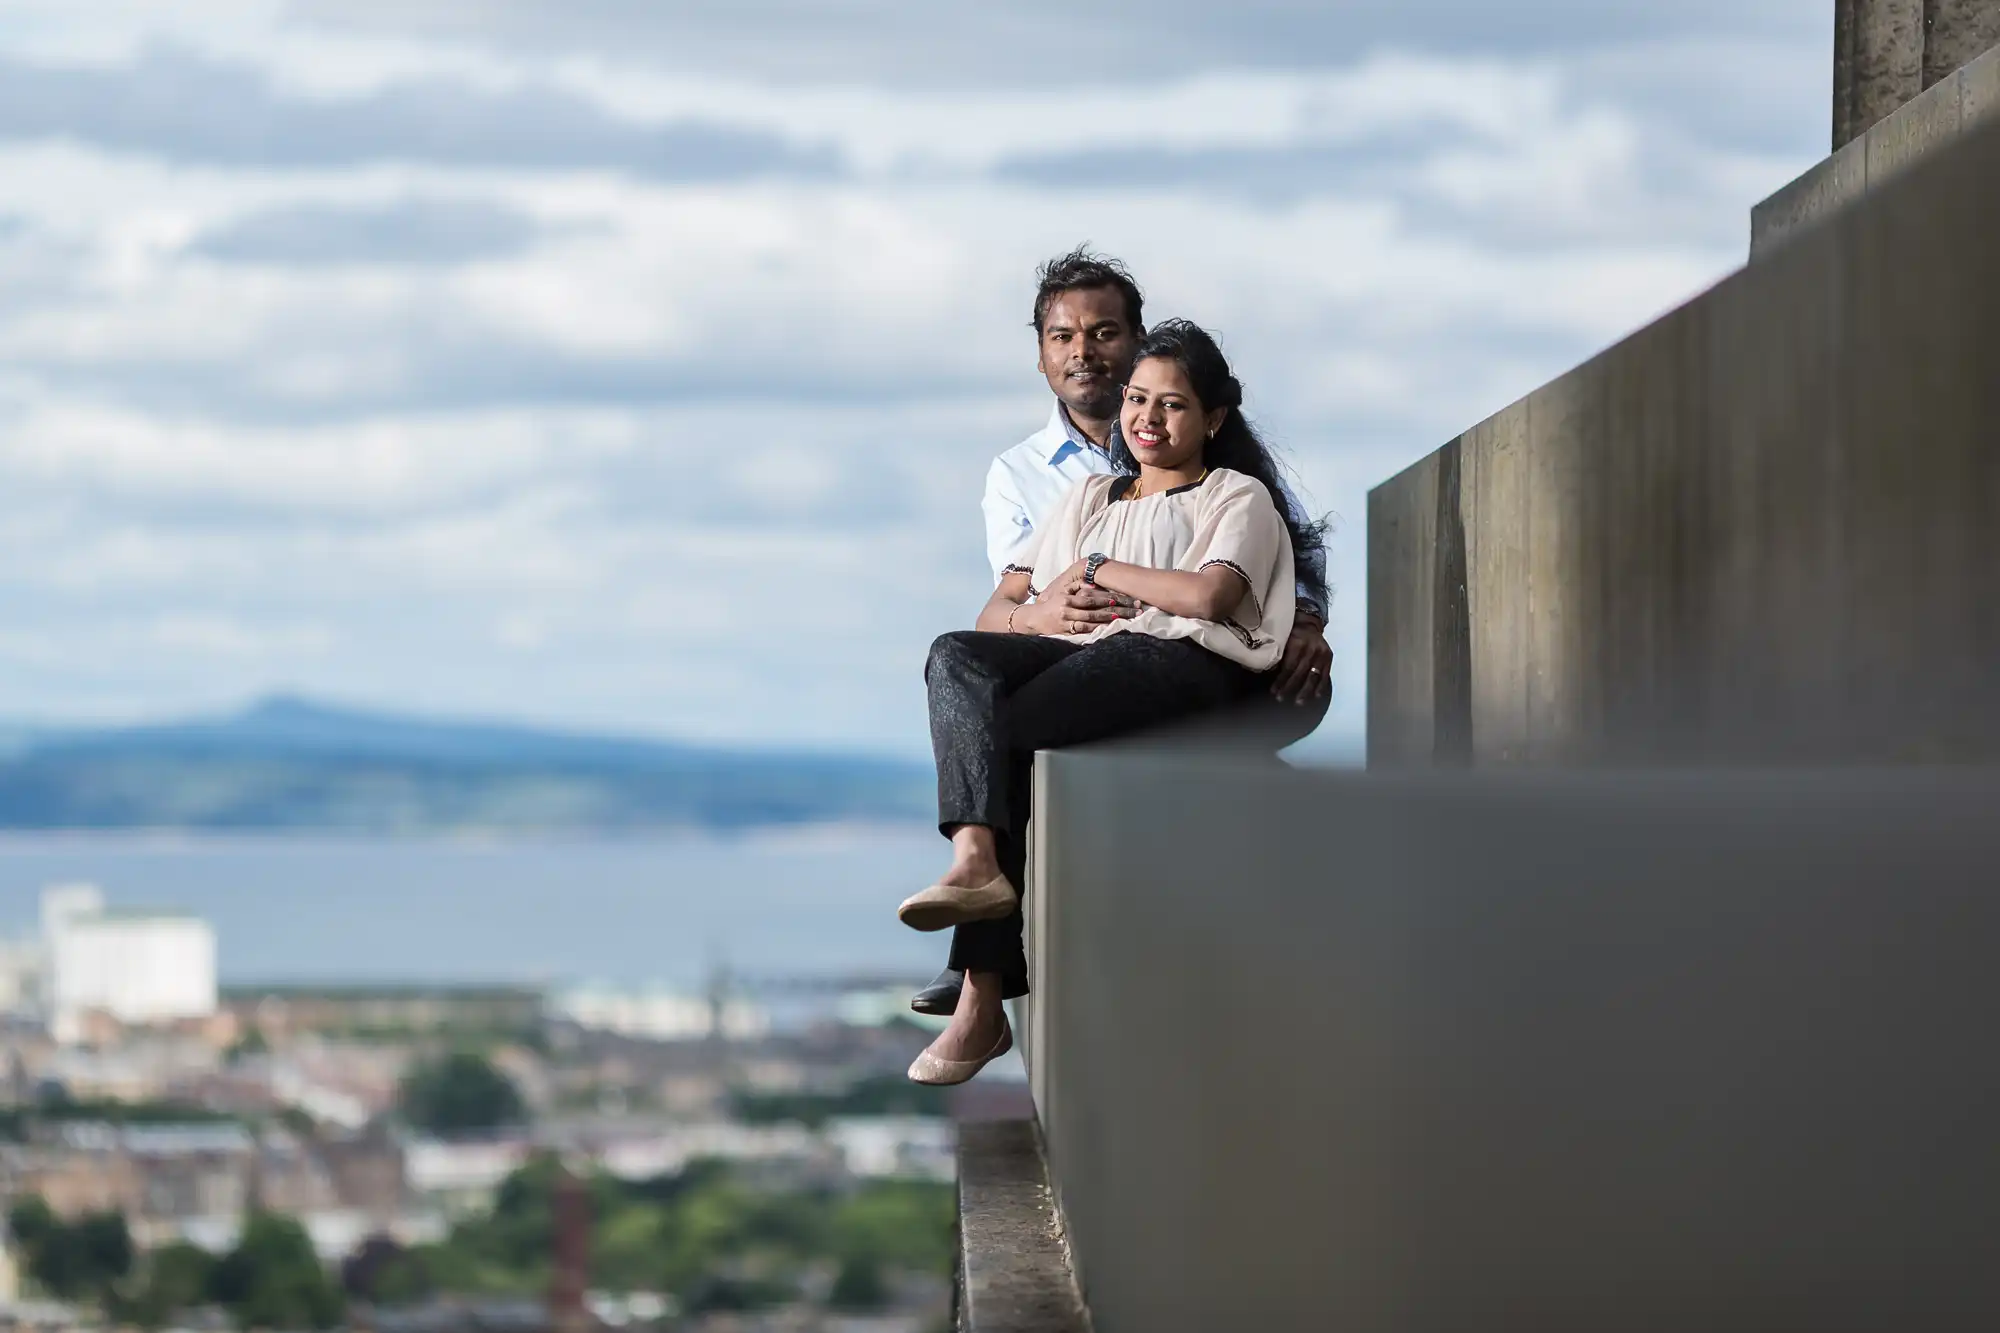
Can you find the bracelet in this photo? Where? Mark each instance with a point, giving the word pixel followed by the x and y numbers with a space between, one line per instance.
pixel 1010 617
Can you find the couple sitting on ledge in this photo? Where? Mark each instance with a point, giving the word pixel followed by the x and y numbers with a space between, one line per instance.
pixel 1151 566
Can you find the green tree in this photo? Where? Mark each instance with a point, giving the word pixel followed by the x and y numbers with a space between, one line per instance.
pixel 273 1279
pixel 383 1272
pixel 859 1287
pixel 31 1221
pixel 174 1278
pixel 104 1251
pixel 71 1260
pixel 460 1094
pixel 896 1224
pixel 404 1280
pixel 625 1248
pixel 714 1238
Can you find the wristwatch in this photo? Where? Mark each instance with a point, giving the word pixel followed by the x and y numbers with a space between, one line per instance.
pixel 1091 565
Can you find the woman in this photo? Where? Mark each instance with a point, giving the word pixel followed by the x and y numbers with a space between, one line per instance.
pixel 1149 597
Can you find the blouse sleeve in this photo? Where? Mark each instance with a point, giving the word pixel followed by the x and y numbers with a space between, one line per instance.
pixel 1239 527
pixel 1055 541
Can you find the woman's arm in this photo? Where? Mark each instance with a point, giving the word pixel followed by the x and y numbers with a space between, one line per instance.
pixel 1006 602
pixel 1008 610
pixel 1209 594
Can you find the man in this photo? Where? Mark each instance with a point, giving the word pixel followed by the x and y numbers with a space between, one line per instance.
pixel 1089 323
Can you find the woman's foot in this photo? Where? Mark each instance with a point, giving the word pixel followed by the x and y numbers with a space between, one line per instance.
pixel 978 1035
pixel 971 1035
pixel 973 863
pixel 942 906
pixel 972 890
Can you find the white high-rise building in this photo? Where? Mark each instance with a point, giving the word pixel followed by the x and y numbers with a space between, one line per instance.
pixel 138 967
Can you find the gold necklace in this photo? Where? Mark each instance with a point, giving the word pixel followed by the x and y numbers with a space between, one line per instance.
pixel 1138 491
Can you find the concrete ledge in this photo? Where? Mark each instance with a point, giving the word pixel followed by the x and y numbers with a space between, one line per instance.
pixel 1014 1274
pixel 1916 129
pixel 1559 1052
pixel 1756 531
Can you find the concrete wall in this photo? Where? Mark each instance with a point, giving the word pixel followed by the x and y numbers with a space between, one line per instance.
pixel 1540 1051
pixel 1957 32
pixel 1956 102
pixel 1761 530
pixel 1886 52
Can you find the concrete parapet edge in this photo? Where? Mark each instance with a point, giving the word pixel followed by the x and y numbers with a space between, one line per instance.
pixel 1014 1274
pixel 1752 532
pixel 1920 126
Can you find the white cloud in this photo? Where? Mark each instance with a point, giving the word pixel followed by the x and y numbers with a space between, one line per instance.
pixel 700 454
pixel 208 635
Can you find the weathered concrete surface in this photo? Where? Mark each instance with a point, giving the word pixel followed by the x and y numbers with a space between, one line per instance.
pixel 1566 1052
pixel 1013 1272
pixel 1956 33
pixel 1885 52
pixel 1967 97
pixel 1493 497
pixel 1402 587
pixel 1843 72
pixel 1919 126
pixel 1813 197
pixel 1760 530
pixel 1888 59
pixel 1979 91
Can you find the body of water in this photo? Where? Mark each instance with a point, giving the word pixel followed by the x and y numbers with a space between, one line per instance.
pixel 624 912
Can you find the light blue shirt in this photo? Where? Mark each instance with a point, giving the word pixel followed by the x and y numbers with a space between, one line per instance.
pixel 1024 484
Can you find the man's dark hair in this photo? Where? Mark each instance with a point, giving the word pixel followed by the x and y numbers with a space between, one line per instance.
pixel 1080 271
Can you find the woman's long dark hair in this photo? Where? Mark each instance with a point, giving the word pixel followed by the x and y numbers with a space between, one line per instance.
pixel 1236 445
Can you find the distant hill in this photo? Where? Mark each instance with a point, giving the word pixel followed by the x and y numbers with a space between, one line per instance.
pixel 293 764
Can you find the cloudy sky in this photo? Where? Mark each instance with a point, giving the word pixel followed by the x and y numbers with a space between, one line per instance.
pixel 635 366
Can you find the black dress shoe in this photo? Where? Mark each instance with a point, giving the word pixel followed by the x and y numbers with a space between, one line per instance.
pixel 940 998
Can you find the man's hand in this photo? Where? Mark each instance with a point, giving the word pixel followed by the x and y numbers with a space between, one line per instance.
pixel 1304 672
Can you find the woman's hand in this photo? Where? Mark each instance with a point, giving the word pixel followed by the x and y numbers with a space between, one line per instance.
pixel 1089 605
pixel 1050 615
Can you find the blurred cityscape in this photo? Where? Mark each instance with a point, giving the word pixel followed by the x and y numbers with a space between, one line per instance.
pixel 174 1153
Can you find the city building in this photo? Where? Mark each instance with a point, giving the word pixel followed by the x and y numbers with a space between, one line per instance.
pixel 660 1015
pixel 137 969
pixel 282 1013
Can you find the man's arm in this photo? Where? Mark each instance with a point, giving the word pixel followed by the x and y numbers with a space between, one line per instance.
pixel 1010 529
pixel 1305 672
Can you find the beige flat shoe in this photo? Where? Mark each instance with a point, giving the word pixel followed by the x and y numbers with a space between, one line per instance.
pixel 928 1069
pixel 942 906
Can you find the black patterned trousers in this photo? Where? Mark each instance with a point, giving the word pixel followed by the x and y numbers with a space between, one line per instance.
pixel 997 698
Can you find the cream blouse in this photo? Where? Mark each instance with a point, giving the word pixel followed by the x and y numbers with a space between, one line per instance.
pixel 1225 519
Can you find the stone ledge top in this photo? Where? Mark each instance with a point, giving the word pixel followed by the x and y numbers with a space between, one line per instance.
pixel 1014 1273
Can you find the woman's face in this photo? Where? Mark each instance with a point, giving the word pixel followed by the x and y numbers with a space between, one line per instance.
pixel 1163 421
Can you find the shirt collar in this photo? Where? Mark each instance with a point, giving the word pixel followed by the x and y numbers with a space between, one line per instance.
pixel 1064 438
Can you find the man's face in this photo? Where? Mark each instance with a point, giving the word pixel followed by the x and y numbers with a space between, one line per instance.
pixel 1087 348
